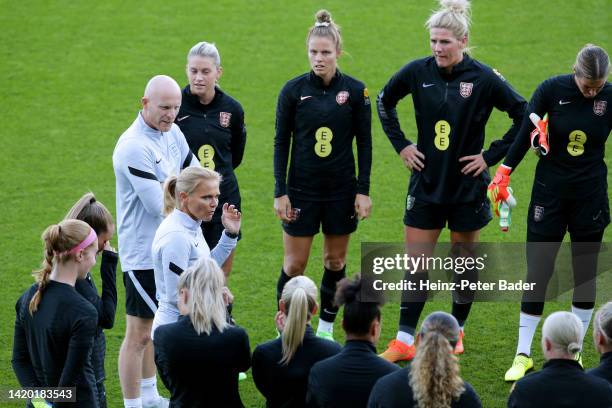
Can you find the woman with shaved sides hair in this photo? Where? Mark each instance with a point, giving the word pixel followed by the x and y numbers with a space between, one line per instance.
pixel 213 124
pixel 318 116
pixel 570 189
pixel 602 336
pixel 562 381
pixel 453 97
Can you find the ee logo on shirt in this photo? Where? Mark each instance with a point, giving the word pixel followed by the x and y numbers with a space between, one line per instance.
pixel 323 147
pixel 442 139
pixel 575 147
pixel 206 153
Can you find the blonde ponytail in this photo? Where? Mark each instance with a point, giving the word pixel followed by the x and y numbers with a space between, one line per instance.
pixel 300 299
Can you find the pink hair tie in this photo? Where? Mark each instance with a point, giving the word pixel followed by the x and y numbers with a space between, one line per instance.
pixel 85 243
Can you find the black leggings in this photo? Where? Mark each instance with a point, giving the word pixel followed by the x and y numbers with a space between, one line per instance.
pixel 541 255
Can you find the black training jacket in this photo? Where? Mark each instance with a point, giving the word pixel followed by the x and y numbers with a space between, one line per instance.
pixel 578 129
pixel 451 111
pixel 317 124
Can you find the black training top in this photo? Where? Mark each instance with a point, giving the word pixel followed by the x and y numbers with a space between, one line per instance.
pixel 451 112
pixel 216 134
pixel 346 379
pixel 604 369
pixel 284 385
pixel 578 128
pixel 51 348
pixel 201 370
pixel 320 122
pixel 393 390
pixel 560 383
pixel 106 305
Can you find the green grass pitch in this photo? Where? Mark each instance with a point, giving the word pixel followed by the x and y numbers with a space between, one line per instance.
pixel 72 73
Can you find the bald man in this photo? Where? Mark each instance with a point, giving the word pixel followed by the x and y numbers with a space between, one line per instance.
pixel 150 150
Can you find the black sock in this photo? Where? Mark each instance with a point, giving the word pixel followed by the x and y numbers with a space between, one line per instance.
pixel 461 312
pixel 280 284
pixel 328 291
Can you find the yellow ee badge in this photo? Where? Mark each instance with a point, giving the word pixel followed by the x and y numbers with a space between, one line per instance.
pixel 442 139
pixel 366 97
pixel 206 153
pixel 323 147
pixel 577 138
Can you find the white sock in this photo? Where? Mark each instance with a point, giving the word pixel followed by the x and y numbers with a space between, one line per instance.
pixel 585 317
pixel 527 328
pixel 148 390
pixel 132 403
pixel 405 338
pixel 325 326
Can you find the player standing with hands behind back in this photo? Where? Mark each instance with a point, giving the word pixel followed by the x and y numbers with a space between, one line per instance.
pixel 453 96
pixel 318 115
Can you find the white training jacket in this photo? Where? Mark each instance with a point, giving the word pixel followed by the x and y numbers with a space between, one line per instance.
pixel 177 245
pixel 143 158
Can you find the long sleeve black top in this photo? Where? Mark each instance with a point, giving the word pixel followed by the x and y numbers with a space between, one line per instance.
pixel 578 129
pixel 52 347
pixel 451 112
pixel 105 305
pixel 216 134
pixel 285 385
pixel 346 379
pixel 604 369
pixel 201 370
pixel 393 390
pixel 560 383
pixel 317 123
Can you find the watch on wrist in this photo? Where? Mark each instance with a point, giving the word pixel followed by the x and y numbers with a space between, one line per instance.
pixel 230 235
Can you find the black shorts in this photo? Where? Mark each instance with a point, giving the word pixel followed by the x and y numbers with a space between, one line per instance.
pixel 461 217
pixel 135 303
pixel 550 215
pixel 336 217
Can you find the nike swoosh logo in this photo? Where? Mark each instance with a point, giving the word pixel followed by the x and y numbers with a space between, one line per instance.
pixel 597 216
pixel 564 102
pixel 305 97
pixel 184 117
pixel 327 311
pixel 157 161
pixel 427 85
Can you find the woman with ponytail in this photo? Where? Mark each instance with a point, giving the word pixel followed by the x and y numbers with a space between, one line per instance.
pixel 95 214
pixel 189 199
pixel 281 366
pixel 453 97
pixel 55 326
pixel 602 336
pixel 346 379
pixel 200 356
pixel 432 380
pixel 562 381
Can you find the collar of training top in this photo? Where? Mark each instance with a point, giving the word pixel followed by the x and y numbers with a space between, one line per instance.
pixel 562 362
pixel 194 100
pixel 185 220
pixel 146 129
pixel 463 66
pixel 318 81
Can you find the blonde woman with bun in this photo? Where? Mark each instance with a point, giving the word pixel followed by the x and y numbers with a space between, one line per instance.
pixel 55 325
pixel 318 116
pixel 281 366
pixel 453 97
pixel 562 381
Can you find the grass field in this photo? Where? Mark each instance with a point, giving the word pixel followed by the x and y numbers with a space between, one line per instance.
pixel 72 74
